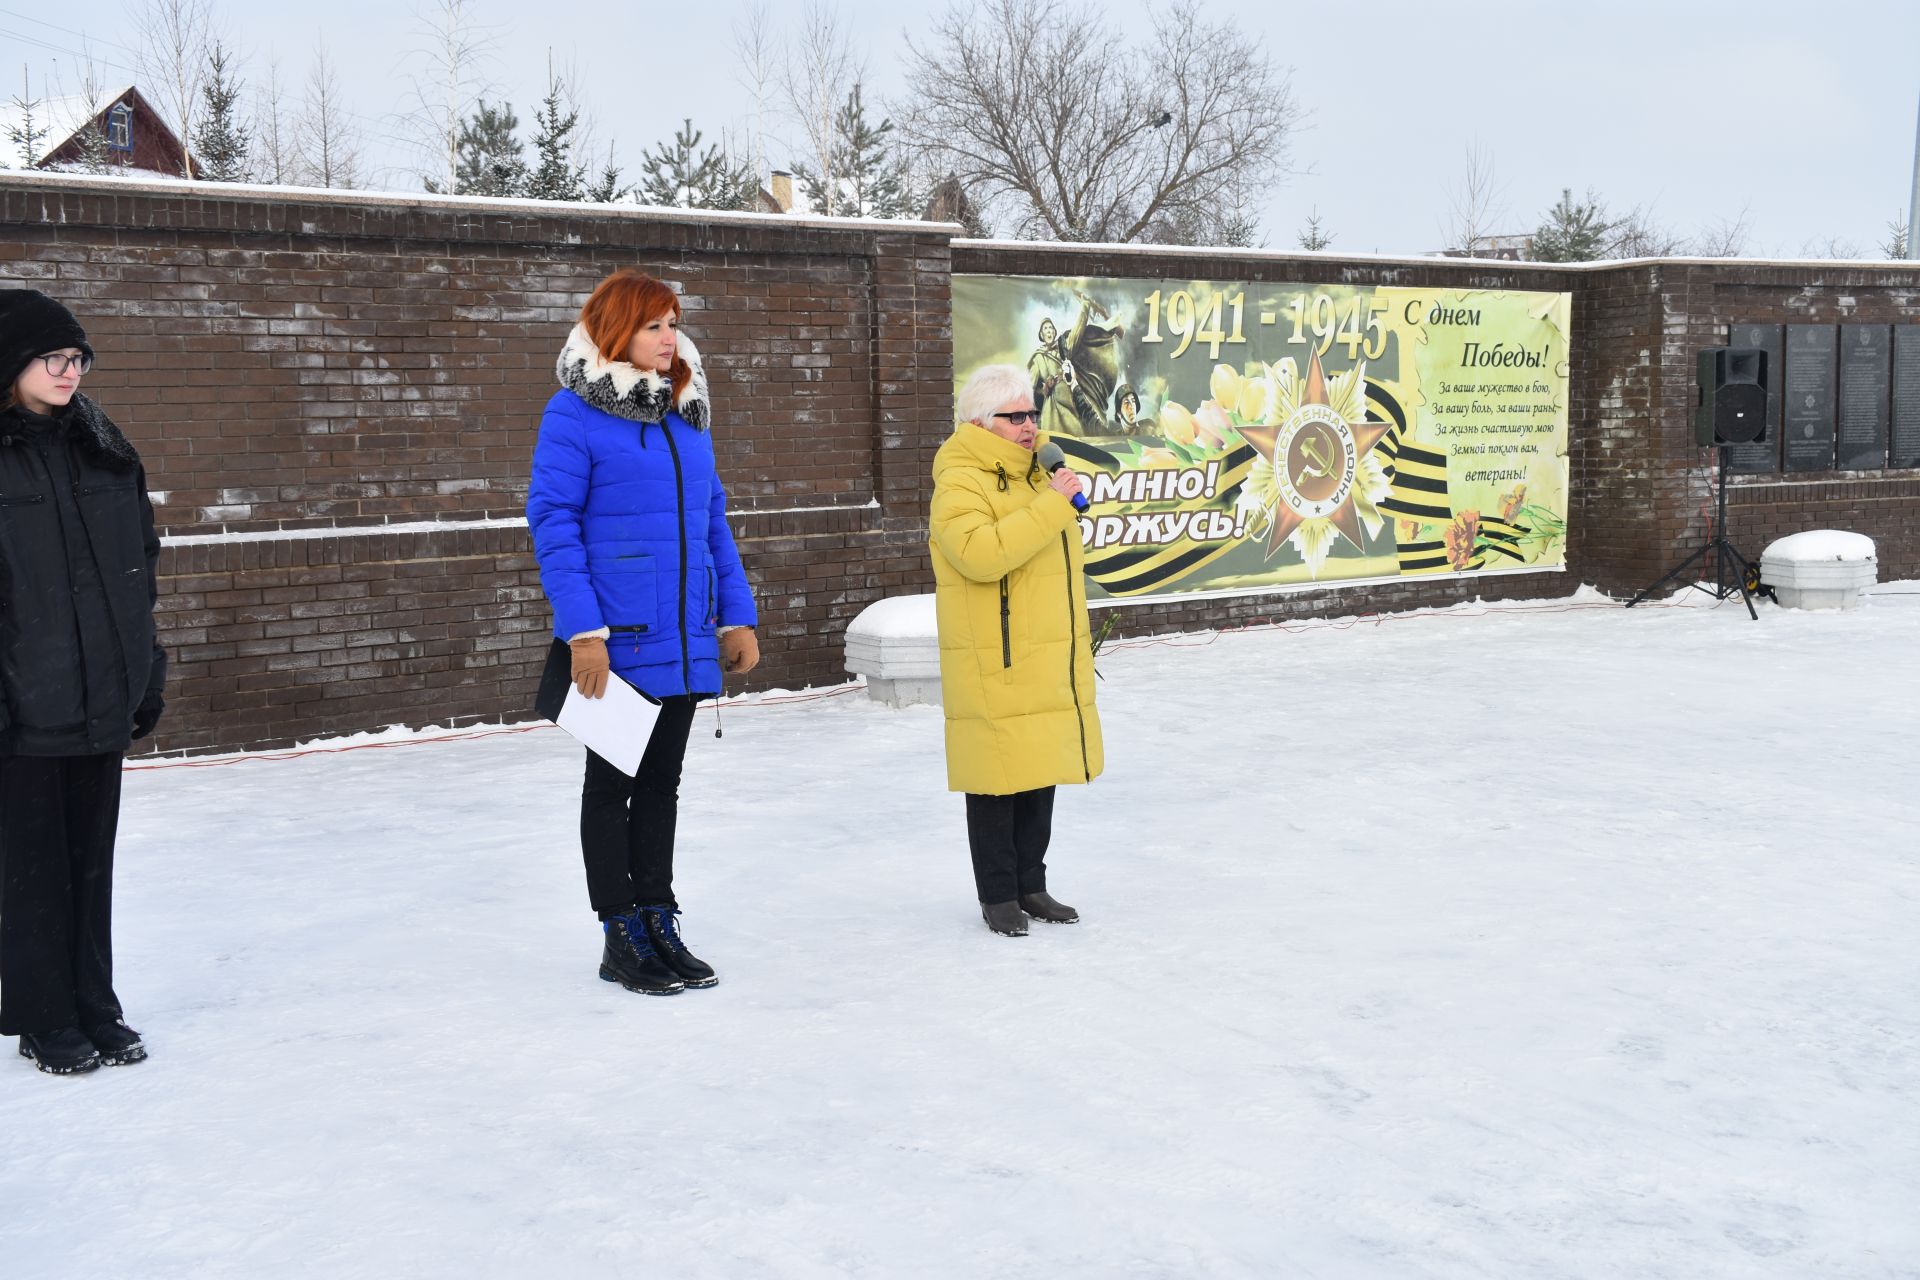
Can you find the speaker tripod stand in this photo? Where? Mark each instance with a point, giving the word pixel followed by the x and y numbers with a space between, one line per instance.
pixel 1725 556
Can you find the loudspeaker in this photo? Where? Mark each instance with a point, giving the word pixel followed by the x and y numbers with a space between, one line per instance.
pixel 1732 405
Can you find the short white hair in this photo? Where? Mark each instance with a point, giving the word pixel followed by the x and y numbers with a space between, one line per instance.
pixel 990 387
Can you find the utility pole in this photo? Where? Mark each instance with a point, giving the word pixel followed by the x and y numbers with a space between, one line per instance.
pixel 1913 204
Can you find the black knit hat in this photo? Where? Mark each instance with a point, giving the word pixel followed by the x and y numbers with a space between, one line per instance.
pixel 32 324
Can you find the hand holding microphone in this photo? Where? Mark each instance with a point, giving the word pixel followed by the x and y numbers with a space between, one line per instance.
pixel 1060 476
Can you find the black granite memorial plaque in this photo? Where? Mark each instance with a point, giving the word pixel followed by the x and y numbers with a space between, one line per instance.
pixel 1904 447
pixel 1806 410
pixel 1760 455
pixel 1866 372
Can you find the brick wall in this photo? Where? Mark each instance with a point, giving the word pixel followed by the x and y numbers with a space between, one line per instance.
pixel 337 397
pixel 1699 301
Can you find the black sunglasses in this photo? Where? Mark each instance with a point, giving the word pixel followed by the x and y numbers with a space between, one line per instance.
pixel 1021 417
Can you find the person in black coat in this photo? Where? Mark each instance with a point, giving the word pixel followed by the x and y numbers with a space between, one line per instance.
pixel 81 673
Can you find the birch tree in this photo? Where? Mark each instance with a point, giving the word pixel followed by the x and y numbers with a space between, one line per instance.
pixel 174 38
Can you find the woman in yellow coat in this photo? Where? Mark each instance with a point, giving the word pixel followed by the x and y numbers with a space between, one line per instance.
pixel 1016 660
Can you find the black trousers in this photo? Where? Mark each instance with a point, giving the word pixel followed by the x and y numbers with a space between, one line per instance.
pixel 1008 838
pixel 58 817
pixel 626 824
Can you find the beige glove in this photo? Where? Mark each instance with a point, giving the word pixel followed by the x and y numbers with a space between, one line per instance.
pixel 591 665
pixel 739 651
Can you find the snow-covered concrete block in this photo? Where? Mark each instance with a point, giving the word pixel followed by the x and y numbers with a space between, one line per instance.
pixel 895 644
pixel 1820 569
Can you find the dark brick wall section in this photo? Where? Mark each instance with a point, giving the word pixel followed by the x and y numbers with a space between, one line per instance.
pixel 337 398
pixel 342 364
pixel 1699 302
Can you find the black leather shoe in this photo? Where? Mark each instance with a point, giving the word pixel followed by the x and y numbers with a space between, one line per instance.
pixel 1041 906
pixel 60 1053
pixel 629 960
pixel 1004 918
pixel 664 932
pixel 118 1043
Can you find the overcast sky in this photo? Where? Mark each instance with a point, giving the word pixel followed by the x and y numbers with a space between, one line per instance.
pixel 1802 115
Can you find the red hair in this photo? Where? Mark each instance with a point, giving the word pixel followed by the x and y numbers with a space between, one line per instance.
pixel 622 305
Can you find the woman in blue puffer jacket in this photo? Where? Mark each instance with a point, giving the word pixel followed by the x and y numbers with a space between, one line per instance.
pixel 630 527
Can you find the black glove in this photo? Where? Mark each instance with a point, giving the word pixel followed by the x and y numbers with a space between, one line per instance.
pixel 147 715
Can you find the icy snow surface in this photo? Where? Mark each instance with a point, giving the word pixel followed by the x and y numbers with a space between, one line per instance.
pixel 1497 943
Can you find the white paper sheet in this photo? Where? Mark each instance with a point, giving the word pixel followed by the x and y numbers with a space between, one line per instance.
pixel 615 726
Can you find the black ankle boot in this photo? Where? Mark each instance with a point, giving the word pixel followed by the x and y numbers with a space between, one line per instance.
pixel 60 1053
pixel 118 1043
pixel 664 932
pixel 1041 906
pixel 629 959
pixel 1004 918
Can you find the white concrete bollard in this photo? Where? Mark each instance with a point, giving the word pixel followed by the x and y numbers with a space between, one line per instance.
pixel 1820 569
pixel 895 644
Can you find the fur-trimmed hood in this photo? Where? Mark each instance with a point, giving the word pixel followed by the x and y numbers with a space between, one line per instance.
pixel 95 433
pixel 629 392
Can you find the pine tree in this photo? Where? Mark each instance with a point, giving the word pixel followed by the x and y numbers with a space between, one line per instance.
pixel 96 149
pixel 555 176
pixel 608 188
pixel 1895 245
pixel 490 162
pixel 30 132
pixel 685 175
pixel 871 174
pixel 221 142
pixel 1314 236
pixel 1574 230
pixel 869 179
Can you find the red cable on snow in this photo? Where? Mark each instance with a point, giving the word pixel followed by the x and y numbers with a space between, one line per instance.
pixel 475 735
pixel 1177 641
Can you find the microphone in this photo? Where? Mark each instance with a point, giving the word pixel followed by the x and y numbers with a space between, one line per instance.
pixel 1053 459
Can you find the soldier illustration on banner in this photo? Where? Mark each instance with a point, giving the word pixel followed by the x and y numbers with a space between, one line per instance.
pixel 1239 436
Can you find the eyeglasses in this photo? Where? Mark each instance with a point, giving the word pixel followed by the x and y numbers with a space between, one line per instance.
pixel 1021 417
pixel 58 363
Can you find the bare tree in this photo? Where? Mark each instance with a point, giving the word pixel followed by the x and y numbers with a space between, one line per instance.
pixel 276 157
pixel 756 69
pixel 1474 207
pixel 172 61
pixel 819 65
pixel 1040 109
pixel 1833 247
pixel 326 139
pixel 1639 234
pixel 1726 238
pixel 451 54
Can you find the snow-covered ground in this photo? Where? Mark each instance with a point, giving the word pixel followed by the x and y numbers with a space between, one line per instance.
pixel 1518 942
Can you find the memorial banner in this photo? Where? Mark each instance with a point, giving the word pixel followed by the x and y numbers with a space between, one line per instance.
pixel 1238 436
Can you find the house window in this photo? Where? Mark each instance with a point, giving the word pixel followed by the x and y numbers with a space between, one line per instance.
pixel 120 127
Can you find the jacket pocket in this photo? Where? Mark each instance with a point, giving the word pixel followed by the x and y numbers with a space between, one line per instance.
pixel 627 589
pixel 21 499
pixel 1006 626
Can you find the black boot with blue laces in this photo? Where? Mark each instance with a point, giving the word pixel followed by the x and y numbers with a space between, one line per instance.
pixel 664 930
pixel 631 960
